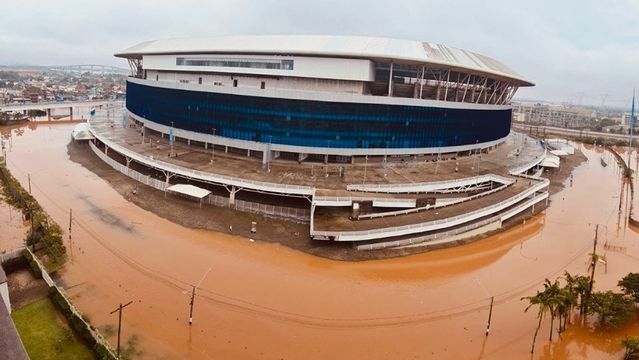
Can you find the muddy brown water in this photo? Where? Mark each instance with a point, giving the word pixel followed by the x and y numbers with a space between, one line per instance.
pixel 12 227
pixel 266 301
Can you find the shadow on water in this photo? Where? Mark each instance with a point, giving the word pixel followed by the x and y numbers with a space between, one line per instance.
pixel 106 216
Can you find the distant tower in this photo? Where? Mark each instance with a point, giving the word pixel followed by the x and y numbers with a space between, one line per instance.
pixel 633 121
pixel 633 117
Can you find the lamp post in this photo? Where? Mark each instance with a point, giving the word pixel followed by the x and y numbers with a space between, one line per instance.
pixel 365 166
pixel 213 146
pixel 171 139
pixel 269 154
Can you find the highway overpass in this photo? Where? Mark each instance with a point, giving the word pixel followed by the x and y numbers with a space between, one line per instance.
pixel 569 132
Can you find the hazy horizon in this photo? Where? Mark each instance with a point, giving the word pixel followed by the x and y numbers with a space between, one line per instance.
pixel 573 52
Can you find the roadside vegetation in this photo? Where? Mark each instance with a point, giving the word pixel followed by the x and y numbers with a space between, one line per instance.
pixel 571 297
pixel 46 335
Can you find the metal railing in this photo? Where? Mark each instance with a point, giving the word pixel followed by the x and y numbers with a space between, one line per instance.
pixel 202 175
pixel 360 235
pixel 97 337
pixel 428 186
pixel 453 232
pixel 302 215
pixel 430 207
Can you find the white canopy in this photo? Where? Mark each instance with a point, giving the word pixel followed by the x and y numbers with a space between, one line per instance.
pixel 81 132
pixel 550 161
pixel 190 190
pixel 561 145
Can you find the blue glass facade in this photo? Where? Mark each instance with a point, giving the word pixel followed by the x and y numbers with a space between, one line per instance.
pixel 316 123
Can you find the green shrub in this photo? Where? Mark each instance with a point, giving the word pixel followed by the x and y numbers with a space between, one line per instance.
pixel 35 269
pixel 613 309
pixel 43 230
pixel 79 326
pixel 630 286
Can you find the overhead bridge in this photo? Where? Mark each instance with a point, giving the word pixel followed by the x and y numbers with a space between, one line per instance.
pixel 54 105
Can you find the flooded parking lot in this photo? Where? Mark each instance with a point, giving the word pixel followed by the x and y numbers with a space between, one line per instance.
pixel 259 300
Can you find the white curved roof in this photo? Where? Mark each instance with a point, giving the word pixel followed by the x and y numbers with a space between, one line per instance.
pixel 337 46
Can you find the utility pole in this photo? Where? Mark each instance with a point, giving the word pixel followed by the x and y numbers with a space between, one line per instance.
pixel 119 310
pixel 213 146
pixel 490 315
pixel 171 139
pixel 33 242
pixel 193 295
pixel 632 123
pixel 191 310
pixel 70 243
pixel 365 166
pixel 593 265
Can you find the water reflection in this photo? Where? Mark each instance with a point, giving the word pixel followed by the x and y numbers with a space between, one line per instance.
pixel 264 300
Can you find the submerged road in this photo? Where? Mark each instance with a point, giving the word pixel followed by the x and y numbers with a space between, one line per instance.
pixel 267 301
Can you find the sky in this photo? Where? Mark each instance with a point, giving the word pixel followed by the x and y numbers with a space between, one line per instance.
pixel 574 51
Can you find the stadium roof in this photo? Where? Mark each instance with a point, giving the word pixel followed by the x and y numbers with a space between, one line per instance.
pixel 337 46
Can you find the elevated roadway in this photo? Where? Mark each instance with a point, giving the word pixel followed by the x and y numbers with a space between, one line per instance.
pixel 570 132
pixel 53 105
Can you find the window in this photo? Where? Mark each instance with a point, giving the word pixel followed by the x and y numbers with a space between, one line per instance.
pixel 199 80
pixel 235 83
pixel 157 77
pixel 237 63
pixel 184 81
pixel 287 64
pixel 263 85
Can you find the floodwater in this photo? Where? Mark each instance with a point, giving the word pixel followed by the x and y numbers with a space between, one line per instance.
pixel 264 301
pixel 12 227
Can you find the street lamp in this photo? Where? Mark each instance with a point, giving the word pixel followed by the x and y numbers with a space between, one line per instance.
pixel 171 139
pixel 269 154
pixel 365 166
pixel 213 146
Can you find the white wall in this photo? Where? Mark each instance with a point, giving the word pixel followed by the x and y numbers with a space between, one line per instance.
pixel 4 293
pixel 307 67
pixel 244 81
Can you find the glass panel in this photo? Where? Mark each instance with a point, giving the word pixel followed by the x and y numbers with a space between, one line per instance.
pixel 317 123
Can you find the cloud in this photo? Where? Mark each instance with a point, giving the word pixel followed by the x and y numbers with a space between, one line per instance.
pixel 565 47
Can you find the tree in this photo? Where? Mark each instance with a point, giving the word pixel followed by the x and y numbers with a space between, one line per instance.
pixel 613 309
pixel 567 301
pixel 630 286
pixel 540 301
pixel 553 297
pixel 631 348
pixel 594 259
pixel 35 113
pixel 578 286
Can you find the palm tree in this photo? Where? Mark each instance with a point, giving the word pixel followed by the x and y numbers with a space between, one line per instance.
pixel 553 297
pixel 568 301
pixel 631 348
pixel 578 287
pixel 541 302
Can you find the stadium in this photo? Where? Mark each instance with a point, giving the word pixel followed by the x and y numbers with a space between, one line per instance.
pixel 339 132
